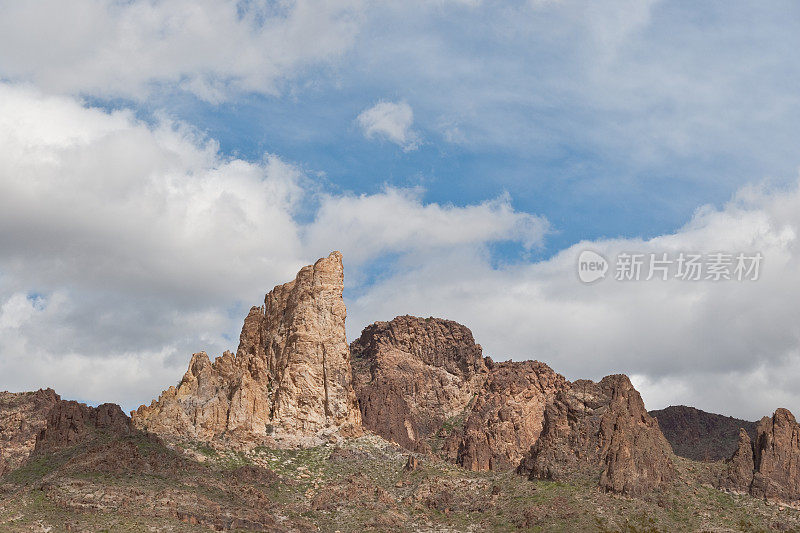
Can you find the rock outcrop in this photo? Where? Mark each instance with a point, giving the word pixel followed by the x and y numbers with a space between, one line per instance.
pixel 290 382
pixel 412 375
pixel 507 415
pixel 738 474
pixel 70 423
pixel 22 416
pixel 601 430
pixel 699 435
pixel 769 466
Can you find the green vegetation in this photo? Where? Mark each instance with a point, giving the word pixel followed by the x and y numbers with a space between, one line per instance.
pixel 356 486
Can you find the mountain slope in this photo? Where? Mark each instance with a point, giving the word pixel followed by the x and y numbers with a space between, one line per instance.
pixel 699 435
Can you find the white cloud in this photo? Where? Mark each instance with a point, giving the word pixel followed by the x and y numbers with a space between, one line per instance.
pixel 211 48
pixel 727 347
pixel 125 247
pixel 397 220
pixel 391 121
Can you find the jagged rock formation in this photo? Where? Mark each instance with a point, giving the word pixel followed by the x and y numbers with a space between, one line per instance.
pixel 601 429
pixel 699 435
pixel 507 416
pixel 739 472
pixel 70 423
pixel 22 416
pixel 412 375
pixel 769 466
pixel 290 381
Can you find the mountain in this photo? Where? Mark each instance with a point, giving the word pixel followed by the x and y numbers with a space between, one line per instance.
pixel 413 376
pixel 409 428
pixel 290 382
pixel 699 435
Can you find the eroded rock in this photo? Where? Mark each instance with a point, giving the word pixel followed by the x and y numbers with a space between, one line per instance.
pixel 603 430
pixel 507 416
pixel 739 469
pixel 22 416
pixel 769 467
pixel 290 381
pixel 412 374
pixel 70 423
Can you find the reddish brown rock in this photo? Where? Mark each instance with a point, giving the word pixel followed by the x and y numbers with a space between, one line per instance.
pixel 22 416
pixel 290 381
pixel 70 423
pixel 601 429
pixel 739 468
pixel 413 374
pixel 776 458
pixel 769 467
pixel 507 416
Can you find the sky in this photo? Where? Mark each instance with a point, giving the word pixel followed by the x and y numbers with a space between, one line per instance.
pixel 164 164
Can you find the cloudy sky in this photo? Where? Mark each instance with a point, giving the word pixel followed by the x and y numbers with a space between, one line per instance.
pixel 163 164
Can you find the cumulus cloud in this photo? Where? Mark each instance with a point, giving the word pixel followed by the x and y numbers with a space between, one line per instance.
pixel 397 220
pixel 731 347
pixel 127 246
pixel 210 48
pixel 391 121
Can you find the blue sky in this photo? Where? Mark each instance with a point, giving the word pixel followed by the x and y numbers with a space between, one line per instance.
pixel 166 163
pixel 603 137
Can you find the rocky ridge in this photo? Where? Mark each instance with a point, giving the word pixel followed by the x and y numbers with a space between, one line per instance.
pixel 601 430
pixel 411 375
pixel 700 435
pixel 421 379
pixel 507 415
pixel 768 466
pixel 22 416
pixel 290 381
pixel 70 423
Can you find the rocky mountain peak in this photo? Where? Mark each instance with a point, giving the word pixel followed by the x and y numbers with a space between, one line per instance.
pixel 289 382
pixel 769 465
pixel 507 415
pixel 591 427
pixel 412 374
pixel 433 341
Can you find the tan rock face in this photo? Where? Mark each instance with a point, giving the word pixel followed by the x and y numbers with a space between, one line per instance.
pixel 413 374
pixel 70 423
pixel 769 467
pixel 507 416
pixel 22 416
pixel 290 381
pixel 601 429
